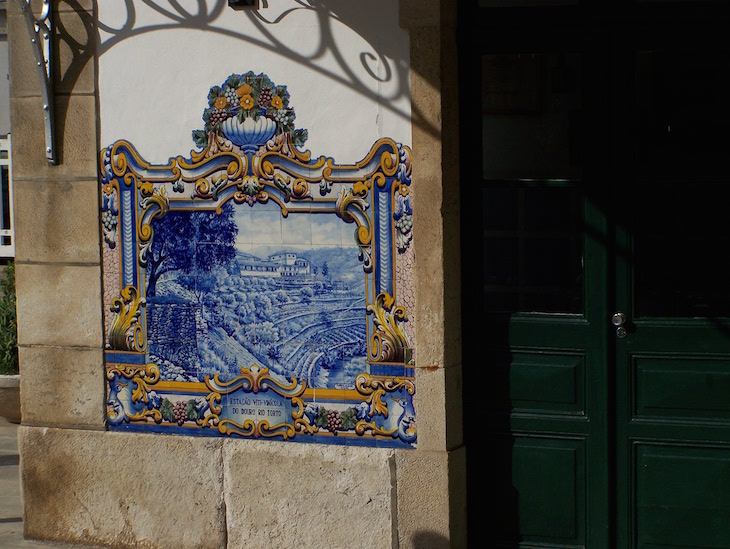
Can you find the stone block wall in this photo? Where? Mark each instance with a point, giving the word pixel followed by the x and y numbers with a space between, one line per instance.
pixel 58 279
pixel 84 484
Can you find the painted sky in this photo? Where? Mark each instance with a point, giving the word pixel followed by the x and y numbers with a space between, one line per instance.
pixel 263 224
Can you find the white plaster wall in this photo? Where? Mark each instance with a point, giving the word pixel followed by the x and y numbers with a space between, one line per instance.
pixel 345 67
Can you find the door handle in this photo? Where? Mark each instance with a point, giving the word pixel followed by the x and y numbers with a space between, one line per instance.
pixel 618 320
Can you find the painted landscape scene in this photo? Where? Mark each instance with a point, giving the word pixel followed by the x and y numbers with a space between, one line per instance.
pixel 249 287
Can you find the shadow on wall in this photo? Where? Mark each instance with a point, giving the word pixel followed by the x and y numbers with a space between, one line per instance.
pixel 430 540
pixel 381 62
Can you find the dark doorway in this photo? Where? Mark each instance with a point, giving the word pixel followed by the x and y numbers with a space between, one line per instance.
pixel 595 265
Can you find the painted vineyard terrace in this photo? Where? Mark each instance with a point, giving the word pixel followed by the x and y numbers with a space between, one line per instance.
pixel 253 291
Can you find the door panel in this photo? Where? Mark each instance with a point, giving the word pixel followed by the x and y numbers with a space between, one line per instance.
pixel 546 382
pixel 542 277
pixel 682 495
pixel 677 388
pixel 541 519
pixel 671 273
pixel 547 408
pixel 530 505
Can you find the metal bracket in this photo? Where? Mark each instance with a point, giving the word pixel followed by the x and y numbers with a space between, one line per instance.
pixel 41 36
pixel 242 4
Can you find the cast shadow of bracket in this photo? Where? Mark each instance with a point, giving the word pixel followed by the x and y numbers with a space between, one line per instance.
pixel 84 41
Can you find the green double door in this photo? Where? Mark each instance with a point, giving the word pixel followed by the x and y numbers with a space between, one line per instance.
pixel 596 238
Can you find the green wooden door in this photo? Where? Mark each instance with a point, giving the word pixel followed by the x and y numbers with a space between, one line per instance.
pixel 673 371
pixel 672 236
pixel 540 407
pixel 599 192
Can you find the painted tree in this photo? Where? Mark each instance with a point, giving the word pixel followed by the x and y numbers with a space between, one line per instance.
pixel 204 286
pixel 190 242
pixel 274 353
pixel 263 305
pixel 267 333
pixel 281 297
pixel 306 293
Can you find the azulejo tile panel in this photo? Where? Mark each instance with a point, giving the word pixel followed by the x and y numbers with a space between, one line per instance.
pixel 251 290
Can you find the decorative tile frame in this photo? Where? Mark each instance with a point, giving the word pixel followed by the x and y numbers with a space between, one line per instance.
pixel 206 337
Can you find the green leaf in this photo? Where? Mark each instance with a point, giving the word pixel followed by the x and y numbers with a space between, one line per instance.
pixel 300 136
pixel 322 417
pixel 192 412
pixel 214 93
pixel 166 409
pixel 200 138
pixel 349 418
pixel 256 86
pixel 233 81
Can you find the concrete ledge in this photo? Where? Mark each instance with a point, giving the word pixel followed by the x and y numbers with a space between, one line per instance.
pixel 127 490
pixel 122 490
pixel 294 495
pixel 10 397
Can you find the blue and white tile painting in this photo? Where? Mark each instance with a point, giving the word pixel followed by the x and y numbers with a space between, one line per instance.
pixel 251 290
pixel 254 288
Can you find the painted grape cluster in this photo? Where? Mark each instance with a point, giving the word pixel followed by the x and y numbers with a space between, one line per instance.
pixel 180 411
pixel 336 420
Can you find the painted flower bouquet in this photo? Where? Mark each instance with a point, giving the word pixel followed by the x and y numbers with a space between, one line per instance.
pixel 248 110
